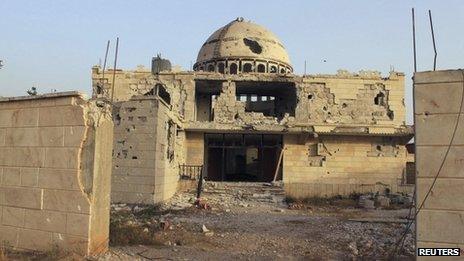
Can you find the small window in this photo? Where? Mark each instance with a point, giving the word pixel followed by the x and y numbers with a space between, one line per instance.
pixel 210 68
pixel 282 70
pixel 233 68
pixel 273 69
pixel 221 68
pixel 247 67
pixel 261 68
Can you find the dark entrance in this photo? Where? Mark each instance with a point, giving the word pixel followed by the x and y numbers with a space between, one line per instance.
pixel 242 157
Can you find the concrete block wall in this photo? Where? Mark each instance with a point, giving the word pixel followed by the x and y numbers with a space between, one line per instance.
pixel 142 172
pixel 438 96
pixel 348 167
pixel 55 169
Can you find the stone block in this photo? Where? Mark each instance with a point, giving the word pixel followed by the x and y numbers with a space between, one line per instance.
pixel 58 179
pixel 78 224
pixel 430 226
pixel 35 239
pixel 438 98
pixel 22 157
pixel 11 177
pixel 13 216
pixel 444 193
pixel 21 197
pixel 431 157
pixel 51 136
pixel 9 235
pixel 67 116
pixel 66 201
pixel 70 243
pixel 29 177
pixel 51 221
pixel 437 129
pixel 442 76
pixel 65 158
pixel 73 136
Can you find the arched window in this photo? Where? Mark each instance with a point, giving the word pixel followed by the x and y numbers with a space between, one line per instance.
pixel 273 69
pixel 221 67
pixel 261 68
pixel 247 67
pixel 233 68
pixel 210 68
pixel 282 70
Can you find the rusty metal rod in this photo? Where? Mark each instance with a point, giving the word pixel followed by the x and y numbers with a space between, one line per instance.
pixel 414 39
pixel 104 63
pixel 433 40
pixel 114 68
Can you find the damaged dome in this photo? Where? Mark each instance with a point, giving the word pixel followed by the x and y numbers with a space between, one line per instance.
pixel 242 47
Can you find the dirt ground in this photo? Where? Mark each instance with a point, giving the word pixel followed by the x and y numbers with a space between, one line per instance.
pixel 227 228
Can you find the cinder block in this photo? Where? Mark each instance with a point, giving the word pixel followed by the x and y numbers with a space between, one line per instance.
pixel 65 158
pixel 58 179
pixel 22 137
pixel 22 197
pixel 429 159
pixel 21 157
pixel 437 129
pixel 13 216
pixel 11 177
pixel 9 235
pixel 29 177
pixel 438 98
pixel 25 117
pixel 34 239
pixel 430 226
pixel 78 224
pixel 51 221
pixel 67 201
pixel 51 136
pixel 444 194
pixel 70 243
pixel 73 136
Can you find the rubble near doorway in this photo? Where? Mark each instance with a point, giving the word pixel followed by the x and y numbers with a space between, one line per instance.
pixel 243 157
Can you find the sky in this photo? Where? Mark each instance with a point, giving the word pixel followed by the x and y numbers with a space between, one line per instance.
pixel 53 44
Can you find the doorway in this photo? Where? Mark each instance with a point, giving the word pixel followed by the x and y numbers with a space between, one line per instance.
pixel 242 157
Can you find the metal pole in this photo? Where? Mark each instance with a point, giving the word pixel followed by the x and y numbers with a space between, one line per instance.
pixel 433 40
pixel 305 68
pixel 104 63
pixel 114 67
pixel 414 40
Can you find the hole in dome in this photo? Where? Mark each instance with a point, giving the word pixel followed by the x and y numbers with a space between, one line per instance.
pixel 254 46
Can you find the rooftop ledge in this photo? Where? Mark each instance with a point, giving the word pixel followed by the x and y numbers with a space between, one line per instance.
pixel 43 96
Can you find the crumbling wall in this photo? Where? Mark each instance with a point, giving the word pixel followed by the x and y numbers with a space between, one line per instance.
pixel 341 165
pixel 147 151
pixel 55 169
pixel 438 101
pixel 351 100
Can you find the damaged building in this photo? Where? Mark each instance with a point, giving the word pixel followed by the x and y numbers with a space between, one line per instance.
pixel 243 115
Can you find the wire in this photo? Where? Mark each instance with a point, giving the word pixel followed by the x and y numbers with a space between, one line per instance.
pixel 438 172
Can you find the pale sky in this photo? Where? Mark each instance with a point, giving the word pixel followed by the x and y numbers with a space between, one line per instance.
pixel 54 44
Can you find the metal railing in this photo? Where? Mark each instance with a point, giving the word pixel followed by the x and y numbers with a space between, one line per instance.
pixel 190 172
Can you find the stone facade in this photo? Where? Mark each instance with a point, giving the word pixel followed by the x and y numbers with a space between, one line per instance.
pixel 55 170
pixel 345 131
pixel 438 102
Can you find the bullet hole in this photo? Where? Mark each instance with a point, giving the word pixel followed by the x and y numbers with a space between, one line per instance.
pixel 134 157
pixel 254 46
pixel 324 108
pixel 344 105
pixel 143 119
pixel 130 118
pixel 378 147
pixel 310 96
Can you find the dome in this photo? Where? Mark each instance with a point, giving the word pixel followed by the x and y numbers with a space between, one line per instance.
pixel 244 47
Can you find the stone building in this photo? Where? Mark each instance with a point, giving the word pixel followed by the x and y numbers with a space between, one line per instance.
pixel 244 115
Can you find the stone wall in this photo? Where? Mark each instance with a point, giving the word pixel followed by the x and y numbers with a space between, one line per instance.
pixel 340 165
pixel 148 148
pixel 438 101
pixel 55 169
